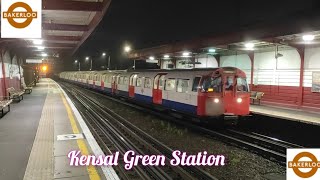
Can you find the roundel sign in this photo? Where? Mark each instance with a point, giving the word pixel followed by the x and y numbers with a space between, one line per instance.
pixel 12 14
pixel 303 164
pixel 21 19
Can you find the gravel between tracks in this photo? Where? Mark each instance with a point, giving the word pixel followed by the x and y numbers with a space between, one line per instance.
pixel 241 164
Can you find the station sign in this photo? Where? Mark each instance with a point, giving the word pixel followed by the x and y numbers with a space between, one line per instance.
pixel 34 61
pixel 152 61
pixel 303 164
pixel 21 19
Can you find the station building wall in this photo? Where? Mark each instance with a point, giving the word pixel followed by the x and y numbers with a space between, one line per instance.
pixel 242 62
pixel 205 61
pixel 312 64
pixel 10 71
pixel 279 78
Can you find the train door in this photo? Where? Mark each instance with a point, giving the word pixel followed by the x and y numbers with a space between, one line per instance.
pixel 132 83
pixel 158 84
pixel 102 80
pixel 228 93
pixel 94 81
pixel 114 83
pixel 194 94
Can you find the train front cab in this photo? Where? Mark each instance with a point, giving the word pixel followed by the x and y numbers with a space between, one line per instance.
pixel 225 95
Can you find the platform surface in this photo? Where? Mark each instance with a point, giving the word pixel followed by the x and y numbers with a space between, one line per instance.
pixel 40 131
pixel 287 113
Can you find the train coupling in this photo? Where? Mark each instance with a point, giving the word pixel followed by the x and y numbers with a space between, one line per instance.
pixel 230 119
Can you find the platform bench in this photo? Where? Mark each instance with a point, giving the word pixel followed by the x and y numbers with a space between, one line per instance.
pixel 15 94
pixel 27 89
pixel 256 96
pixel 3 105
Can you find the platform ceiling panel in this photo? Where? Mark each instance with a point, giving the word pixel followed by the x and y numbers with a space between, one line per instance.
pixel 66 25
pixel 68 17
pixel 63 33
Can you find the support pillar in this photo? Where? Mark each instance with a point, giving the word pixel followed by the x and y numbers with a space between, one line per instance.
pixel 251 56
pixel 301 51
pixel 3 73
pixel 218 59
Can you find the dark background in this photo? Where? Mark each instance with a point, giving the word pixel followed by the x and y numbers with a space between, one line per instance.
pixel 148 23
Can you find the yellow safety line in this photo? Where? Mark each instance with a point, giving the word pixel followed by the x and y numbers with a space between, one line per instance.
pixel 92 171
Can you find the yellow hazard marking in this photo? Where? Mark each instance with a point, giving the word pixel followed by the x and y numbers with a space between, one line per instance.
pixel 92 171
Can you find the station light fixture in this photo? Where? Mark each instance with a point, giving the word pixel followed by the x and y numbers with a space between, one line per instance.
pixel 166 56
pixel 44 54
pixel 40 47
pixel 249 46
pixel 211 50
pixel 151 58
pixel 308 37
pixel 37 41
pixel 44 68
pixel 104 54
pixel 87 58
pixel 186 54
pixel 127 49
pixel 76 61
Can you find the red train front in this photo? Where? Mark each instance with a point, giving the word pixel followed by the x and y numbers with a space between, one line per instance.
pixel 224 92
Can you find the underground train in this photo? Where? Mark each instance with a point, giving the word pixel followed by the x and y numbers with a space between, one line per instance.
pixel 217 93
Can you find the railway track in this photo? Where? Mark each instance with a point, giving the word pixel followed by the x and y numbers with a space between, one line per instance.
pixel 117 134
pixel 265 146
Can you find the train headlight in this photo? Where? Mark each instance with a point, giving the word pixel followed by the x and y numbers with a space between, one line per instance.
pixel 239 100
pixel 216 100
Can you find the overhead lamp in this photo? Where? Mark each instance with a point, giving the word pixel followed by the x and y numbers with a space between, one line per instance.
pixel 41 48
pixel 87 58
pixel 44 68
pixel 166 56
pixel 186 54
pixel 151 58
pixel 127 49
pixel 211 50
pixel 76 61
pixel 308 37
pixel 249 45
pixel 37 41
pixel 44 54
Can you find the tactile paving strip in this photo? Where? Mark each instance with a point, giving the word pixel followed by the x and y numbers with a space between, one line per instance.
pixel 40 165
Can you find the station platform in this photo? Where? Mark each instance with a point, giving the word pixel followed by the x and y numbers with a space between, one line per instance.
pixel 39 132
pixel 298 115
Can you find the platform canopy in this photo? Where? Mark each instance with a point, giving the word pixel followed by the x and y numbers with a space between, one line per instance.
pixel 259 37
pixel 66 25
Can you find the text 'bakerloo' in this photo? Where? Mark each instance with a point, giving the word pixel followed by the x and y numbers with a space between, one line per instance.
pixel 131 159
pixel 303 164
pixel 21 19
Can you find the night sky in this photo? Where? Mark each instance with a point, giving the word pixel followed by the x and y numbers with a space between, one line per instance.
pixel 148 23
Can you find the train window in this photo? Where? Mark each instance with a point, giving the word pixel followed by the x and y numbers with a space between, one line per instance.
pixel 161 82
pixel 110 79
pixel 211 84
pixel 121 80
pixel 170 84
pixel 229 83
pixel 182 85
pixel 242 85
pixel 125 81
pixel 196 84
pixel 155 82
pixel 147 83
pixel 139 82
